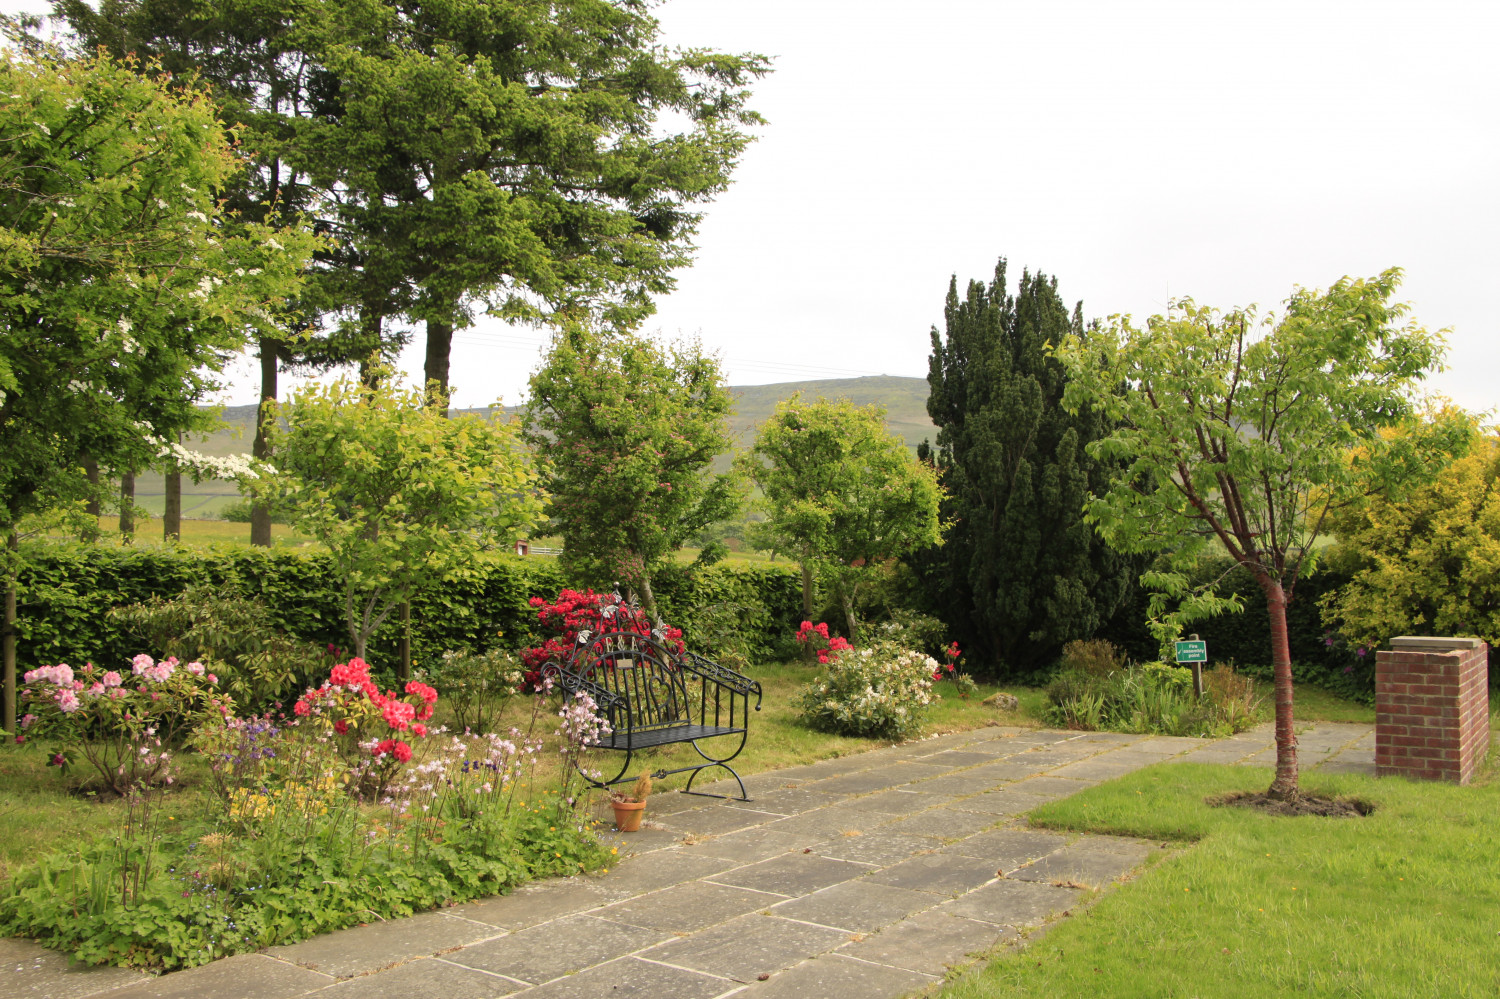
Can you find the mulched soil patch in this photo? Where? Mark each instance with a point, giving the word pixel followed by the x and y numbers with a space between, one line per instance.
pixel 1306 804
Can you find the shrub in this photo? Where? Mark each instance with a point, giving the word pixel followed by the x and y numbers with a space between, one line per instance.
pixel 575 615
pixel 1153 697
pixel 1097 656
pixel 368 728
pixel 476 685
pixel 124 725
pixel 881 691
pixel 814 637
pixel 257 662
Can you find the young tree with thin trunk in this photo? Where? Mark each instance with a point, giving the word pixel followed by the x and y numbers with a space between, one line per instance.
pixel 629 429
pixel 841 491
pixel 1243 434
pixel 400 495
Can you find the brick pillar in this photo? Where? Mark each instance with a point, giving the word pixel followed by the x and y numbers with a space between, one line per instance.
pixel 1432 708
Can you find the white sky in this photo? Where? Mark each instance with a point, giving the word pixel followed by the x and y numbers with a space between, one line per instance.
pixel 1225 151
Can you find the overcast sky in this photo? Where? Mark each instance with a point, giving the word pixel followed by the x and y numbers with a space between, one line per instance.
pixel 1226 151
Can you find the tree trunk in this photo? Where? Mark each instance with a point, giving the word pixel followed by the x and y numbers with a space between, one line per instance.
pixel 8 636
pixel 371 322
pixel 1284 787
pixel 648 598
pixel 404 669
pixel 127 507
pixel 260 513
pixel 847 602
pixel 171 518
pixel 439 353
pixel 809 654
pixel 91 469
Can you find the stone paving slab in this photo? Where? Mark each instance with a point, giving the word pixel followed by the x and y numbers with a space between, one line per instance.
pixel 360 950
pixel 687 907
pixel 856 906
pixel 714 821
pixel 1081 864
pixel 428 978
pixel 792 874
pixel 631 976
pixel 1008 849
pixel 900 800
pixel 789 800
pixel 747 947
pixel 245 976
pixel 929 942
pixel 826 823
pixel 941 823
pixel 750 845
pixel 534 904
pixel 1018 904
pixel 880 848
pixel 1002 802
pixel 837 977
pixel 639 875
pixel 938 873
pixel 30 971
pixel 563 946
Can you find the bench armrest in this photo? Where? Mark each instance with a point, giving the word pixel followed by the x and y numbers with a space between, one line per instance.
pixel 723 676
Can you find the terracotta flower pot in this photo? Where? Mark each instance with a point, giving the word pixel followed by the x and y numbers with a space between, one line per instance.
pixel 628 814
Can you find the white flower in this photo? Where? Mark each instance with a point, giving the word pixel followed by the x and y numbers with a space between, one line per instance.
pixel 199 216
pixel 253 271
pixel 271 244
pixel 161 204
pixel 77 386
pixel 44 129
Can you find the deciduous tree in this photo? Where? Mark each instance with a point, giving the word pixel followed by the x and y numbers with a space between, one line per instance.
pixel 124 285
pixel 841 491
pixel 629 429
pixel 401 495
pixel 1244 434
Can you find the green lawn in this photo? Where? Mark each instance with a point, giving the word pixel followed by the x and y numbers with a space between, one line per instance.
pixel 1404 902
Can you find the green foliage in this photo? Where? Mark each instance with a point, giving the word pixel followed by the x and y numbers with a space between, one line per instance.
pixel 476 685
pixel 1244 435
pixel 628 428
pixel 125 285
pixel 1021 572
pixel 401 495
pixel 1152 697
pixel 881 691
pixel 840 491
pixel 1426 565
pixel 71 588
pixel 1098 656
pixel 257 662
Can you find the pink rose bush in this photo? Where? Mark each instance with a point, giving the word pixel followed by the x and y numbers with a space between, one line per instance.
pixel 123 725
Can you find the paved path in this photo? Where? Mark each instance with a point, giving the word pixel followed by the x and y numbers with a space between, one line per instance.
pixel 861 877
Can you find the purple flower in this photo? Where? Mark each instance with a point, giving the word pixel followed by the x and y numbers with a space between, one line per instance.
pixel 1328 641
pixel 1360 651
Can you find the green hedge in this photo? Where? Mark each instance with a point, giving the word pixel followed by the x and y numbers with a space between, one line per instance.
pixel 67 588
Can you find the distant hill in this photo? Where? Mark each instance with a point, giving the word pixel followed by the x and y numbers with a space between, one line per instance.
pixel 904 399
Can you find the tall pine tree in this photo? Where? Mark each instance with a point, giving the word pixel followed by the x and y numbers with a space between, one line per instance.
pixel 1021 572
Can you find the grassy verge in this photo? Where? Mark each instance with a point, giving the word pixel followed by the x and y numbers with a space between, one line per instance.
pixel 1400 903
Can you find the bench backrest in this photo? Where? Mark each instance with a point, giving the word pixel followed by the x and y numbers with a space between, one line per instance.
pixel 639 670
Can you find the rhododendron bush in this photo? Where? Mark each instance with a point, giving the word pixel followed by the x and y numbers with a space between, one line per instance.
pixel 123 723
pixel 881 691
pixel 366 724
pixel 574 616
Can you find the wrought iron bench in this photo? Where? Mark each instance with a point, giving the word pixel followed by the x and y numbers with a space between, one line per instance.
pixel 652 696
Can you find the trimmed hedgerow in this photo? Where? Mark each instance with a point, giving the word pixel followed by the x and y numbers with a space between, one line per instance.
pixel 68 588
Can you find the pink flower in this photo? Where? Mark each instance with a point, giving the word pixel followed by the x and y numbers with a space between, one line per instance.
pixel 112 679
pixel 195 668
pixel 27 721
pixel 67 701
pixel 419 730
pixel 116 693
pixel 212 678
pixel 97 689
pixel 401 751
pixel 341 727
pixel 140 663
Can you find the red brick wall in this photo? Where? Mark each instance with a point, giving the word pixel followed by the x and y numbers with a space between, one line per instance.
pixel 1431 708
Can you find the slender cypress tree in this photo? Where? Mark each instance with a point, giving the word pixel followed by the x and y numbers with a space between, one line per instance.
pixel 1021 573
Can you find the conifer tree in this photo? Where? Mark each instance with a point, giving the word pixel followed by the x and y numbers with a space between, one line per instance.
pixel 1021 573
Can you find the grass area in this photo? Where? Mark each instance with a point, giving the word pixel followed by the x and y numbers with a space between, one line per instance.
pixel 1310 703
pixel 199 533
pixel 1400 903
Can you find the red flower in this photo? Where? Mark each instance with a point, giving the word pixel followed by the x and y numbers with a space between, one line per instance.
pixel 401 751
pixel 341 727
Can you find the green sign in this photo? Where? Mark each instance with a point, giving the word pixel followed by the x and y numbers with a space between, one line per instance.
pixel 1192 652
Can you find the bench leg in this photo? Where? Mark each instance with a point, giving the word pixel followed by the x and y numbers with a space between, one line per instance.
pixel 708 766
